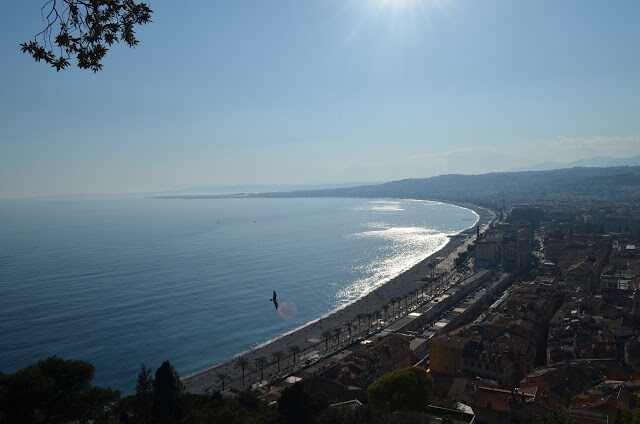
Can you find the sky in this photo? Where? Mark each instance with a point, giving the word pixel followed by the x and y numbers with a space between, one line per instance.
pixel 291 92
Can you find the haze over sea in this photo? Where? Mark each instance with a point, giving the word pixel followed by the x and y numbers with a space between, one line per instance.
pixel 119 281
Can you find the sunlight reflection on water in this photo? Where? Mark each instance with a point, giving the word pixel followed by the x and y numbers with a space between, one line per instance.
pixel 409 246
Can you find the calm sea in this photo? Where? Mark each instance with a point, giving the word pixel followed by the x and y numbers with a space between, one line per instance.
pixel 119 281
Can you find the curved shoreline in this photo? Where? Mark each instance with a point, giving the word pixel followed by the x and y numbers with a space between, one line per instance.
pixel 400 285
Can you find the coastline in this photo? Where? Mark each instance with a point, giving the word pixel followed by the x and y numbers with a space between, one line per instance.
pixel 309 338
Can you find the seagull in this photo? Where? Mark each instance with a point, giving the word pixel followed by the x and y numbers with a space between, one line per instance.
pixel 274 300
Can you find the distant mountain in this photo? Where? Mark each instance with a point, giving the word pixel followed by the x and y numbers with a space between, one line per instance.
pixel 260 188
pixel 597 162
pixel 490 189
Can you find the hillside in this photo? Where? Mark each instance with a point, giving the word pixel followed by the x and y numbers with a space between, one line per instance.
pixel 487 189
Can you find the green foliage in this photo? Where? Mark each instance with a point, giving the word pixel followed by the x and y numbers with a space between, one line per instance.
pixel 143 403
pixel 624 417
pixel 87 28
pixel 566 398
pixel 562 417
pixel 167 395
pixel 443 403
pixel 53 390
pixel 222 378
pixel 213 409
pixel 408 389
pixel 365 415
pixel 260 363
pixel 278 356
pixel 345 416
pixel 242 363
pixel 294 350
pixel 299 407
pixel 461 258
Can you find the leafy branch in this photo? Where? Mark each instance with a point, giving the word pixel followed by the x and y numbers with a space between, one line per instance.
pixel 86 30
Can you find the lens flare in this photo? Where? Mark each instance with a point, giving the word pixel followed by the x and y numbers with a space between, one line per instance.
pixel 288 310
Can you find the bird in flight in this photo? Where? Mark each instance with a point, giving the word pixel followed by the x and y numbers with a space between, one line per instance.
pixel 274 300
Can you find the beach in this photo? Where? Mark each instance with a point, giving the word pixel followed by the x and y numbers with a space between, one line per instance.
pixel 310 341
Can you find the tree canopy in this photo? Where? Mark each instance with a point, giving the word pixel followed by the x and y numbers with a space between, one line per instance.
pixel 408 389
pixel 85 29
pixel 167 397
pixel 53 390
pixel 143 401
pixel 299 407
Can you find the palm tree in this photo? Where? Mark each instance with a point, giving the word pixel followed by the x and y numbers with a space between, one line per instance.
pixel 260 364
pixel 386 311
pixel 370 317
pixel 222 377
pixel 393 306
pixel 432 268
pixel 348 325
pixel 359 318
pixel 242 363
pixel 278 355
pixel 326 335
pixel 336 333
pixel 294 350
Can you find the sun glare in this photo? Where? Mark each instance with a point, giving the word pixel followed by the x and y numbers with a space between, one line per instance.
pixel 399 20
pixel 409 8
pixel 408 4
pixel 401 3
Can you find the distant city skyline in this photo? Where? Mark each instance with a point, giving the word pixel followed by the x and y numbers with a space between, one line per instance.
pixel 292 92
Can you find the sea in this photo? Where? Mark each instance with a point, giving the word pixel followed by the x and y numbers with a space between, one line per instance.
pixel 124 280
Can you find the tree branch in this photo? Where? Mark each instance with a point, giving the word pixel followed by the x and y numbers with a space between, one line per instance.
pixel 87 27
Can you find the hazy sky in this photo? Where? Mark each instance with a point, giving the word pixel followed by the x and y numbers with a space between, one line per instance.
pixel 235 92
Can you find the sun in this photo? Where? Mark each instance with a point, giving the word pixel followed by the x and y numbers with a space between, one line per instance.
pixel 400 21
pixel 401 7
pixel 400 2
pixel 405 4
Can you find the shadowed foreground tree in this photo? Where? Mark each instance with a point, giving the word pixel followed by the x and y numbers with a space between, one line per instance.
pixel 167 395
pixel 408 389
pixel 143 403
pixel 299 407
pixel 53 390
pixel 85 29
pixel 365 415
pixel 214 409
